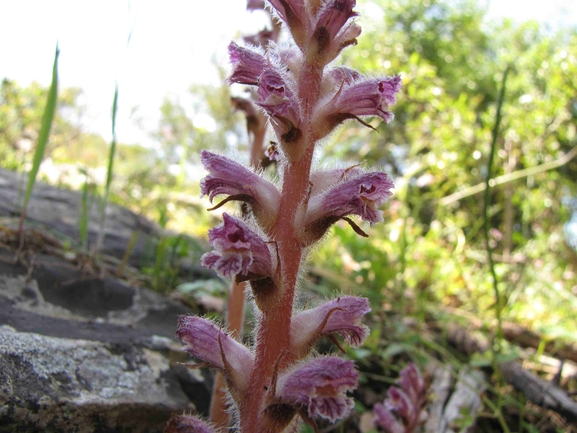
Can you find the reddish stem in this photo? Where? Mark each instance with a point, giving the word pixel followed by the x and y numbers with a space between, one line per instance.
pixel 273 335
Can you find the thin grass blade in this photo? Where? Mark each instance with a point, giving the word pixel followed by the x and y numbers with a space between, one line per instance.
pixel 44 135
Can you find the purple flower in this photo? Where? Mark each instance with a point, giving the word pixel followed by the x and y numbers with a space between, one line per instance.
pixel 359 194
pixel 402 412
pixel 362 97
pixel 342 315
pixel 237 251
pixel 205 341
pixel 277 99
pixel 247 63
pixel 188 424
pixel 228 177
pixel 320 387
pixel 334 29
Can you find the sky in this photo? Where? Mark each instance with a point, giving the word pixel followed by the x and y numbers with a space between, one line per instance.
pixel 152 49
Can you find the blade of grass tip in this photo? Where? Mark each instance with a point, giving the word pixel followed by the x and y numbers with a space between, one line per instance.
pixel 497 338
pixel 109 173
pixel 43 136
pixel 83 222
pixel 495 136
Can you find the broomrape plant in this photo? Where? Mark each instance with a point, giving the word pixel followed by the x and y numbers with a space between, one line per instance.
pixel 280 381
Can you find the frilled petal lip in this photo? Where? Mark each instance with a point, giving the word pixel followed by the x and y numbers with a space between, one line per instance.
pixel 205 341
pixel 361 196
pixel 342 315
pixel 237 250
pixel 320 386
pixel 231 178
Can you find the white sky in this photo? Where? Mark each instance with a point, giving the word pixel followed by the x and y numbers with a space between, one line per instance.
pixel 171 47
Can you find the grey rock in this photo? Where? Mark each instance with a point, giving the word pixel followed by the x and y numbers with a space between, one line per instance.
pixel 64 385
pixel 80 350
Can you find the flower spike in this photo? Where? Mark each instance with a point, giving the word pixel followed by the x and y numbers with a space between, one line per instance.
pixel 402 412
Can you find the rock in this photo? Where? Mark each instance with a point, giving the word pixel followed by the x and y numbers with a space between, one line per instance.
pixel 64 385
pixel 95 355
pixel 81 350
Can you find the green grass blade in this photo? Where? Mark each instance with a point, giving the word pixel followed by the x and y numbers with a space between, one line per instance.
pixel 44 135
pixel 109 174
pixel 83 222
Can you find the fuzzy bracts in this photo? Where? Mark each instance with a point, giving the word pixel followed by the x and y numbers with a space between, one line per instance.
pixel 279 381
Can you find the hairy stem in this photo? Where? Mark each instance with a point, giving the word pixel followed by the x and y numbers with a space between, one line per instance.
pixel 273 335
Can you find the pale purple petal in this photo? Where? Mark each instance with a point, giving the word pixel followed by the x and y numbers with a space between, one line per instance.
pixel 320 386
pixel 247 64
pixel 342 315
pixel 188 424
pixel 205 341
pixel 323 180
pixel 369 97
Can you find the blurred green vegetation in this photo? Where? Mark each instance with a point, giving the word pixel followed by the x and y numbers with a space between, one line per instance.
pixel 429 259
